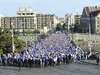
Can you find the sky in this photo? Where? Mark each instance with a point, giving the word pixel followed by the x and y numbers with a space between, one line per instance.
pixel 57 7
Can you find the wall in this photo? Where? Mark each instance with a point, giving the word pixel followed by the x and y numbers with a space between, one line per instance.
pixel 85 37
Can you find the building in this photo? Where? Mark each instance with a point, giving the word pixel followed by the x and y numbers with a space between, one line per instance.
pixel 77 19
pixel 48 21
pixel 90 15
pixel 61 20
pixel 19 23
pixel 24 12
pixel 37 19
pixel 1 17
pixel 27 19
pixel 5 22
pixel 72 19
pixel 67 20
pixel 95 21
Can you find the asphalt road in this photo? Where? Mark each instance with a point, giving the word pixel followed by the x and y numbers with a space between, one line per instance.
pixel 78 68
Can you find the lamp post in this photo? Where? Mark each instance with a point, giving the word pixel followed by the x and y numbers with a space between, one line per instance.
pixel 35 33
pixel 89 42
pixel 89 30
pixel 72 26
pixel 23 29
pixel 13 47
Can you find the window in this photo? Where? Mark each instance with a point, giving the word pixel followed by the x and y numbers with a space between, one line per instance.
pixel 23 13
pixel 31 13
pixel 18 13
pixel 97 22
pixel 27 13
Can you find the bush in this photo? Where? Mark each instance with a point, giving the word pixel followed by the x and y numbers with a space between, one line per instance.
pixel 1 52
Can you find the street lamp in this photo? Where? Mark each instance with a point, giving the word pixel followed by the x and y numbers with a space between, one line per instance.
pixel 35 33
pixel 72 26
pixel 89 42
pixel 23 29
pixel 89 28
pixel 13 47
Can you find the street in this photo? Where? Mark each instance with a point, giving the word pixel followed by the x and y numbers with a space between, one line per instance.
pixel 78 68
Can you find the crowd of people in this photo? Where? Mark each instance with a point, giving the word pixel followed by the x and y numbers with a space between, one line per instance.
pixel 54 50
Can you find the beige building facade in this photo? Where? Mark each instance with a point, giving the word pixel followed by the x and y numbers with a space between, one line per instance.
pixel 27 19
pixel 72 19
pixel 95 21
pixel 46 20
pixel 1 15
pixel 90 16
pixel 77 19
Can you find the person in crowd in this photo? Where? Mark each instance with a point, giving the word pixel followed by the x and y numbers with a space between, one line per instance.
pixel 30 62
pixel 98 60
pixel 0 61
pixel 19 64
pixel 55 49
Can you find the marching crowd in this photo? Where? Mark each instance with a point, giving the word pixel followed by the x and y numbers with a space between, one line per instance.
pixel 54 50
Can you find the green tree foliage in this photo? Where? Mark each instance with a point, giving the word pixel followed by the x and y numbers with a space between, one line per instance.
pixel 6 43
pixel 19 44
pixel 59 27
pixel 36 31
pixel 23 32
pixel 83 30
pixel 95 30
pixel 16 32
pixel 1 52
pixel 76 28
pixel 0 31
pixel 7 30
pixel 28 31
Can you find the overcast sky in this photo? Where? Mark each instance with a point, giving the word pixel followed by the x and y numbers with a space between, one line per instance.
pixel 57 7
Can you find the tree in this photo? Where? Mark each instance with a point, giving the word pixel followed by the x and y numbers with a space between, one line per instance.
pixel 0 31
pixel 1 52
pixel 95 30
pixel 19 44
pixel 28 31
pixel 76 28
pixel 17 32
pixel 59 27
pixel 83 30
pixel 23 32
pixel 6 43
pixel 64 26
pixel 6 30
pixel 36 31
